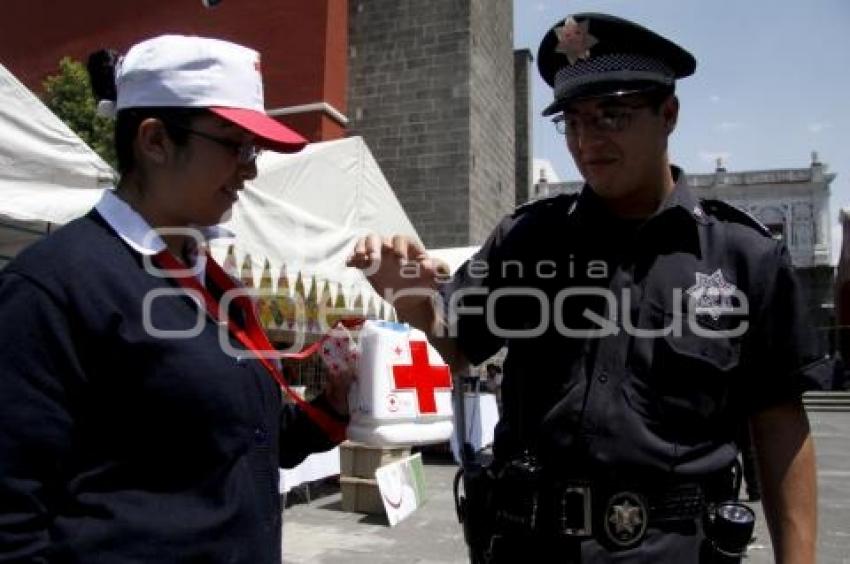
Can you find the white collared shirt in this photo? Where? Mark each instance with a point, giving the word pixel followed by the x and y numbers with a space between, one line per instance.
pixel 141 237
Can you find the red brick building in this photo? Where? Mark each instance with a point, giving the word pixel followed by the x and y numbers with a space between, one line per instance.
pixel 304 45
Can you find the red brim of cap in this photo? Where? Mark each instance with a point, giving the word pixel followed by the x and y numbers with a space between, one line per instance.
pixel 270 133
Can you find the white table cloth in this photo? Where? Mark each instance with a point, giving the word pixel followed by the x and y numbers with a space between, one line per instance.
pixel 314 467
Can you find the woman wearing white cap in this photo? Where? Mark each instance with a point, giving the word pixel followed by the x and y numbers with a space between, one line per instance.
pixel 128 432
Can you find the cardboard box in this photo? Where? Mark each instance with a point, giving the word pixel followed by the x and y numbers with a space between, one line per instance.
pixel 360 495
pixel 361 461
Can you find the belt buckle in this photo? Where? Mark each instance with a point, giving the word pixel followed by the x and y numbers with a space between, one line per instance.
pixel 625 519
pixel 568 525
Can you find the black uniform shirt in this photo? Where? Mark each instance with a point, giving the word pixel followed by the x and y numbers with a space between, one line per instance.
pixel 619 400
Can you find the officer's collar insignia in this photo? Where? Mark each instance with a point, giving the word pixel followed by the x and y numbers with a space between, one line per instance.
pixel 712 294
pixel 625 519
pixel 574 40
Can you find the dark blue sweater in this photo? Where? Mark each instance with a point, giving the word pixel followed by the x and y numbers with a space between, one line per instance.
pixel 117 446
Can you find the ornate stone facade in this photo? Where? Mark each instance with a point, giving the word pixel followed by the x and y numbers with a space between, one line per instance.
pixel 792 203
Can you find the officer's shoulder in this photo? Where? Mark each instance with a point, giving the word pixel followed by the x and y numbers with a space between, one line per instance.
pixel 545 204
pixel 728 213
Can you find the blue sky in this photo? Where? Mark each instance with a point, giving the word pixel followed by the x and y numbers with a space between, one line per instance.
pixel 772 82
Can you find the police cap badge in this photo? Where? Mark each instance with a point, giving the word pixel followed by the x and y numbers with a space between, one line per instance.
pixel 591 55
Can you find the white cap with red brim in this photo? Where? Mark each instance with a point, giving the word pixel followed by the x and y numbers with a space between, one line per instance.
pixel 198 72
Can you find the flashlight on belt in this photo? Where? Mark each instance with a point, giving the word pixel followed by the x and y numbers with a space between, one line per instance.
pixel 729 526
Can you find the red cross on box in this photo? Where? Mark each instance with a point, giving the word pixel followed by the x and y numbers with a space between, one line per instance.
pixel 422 377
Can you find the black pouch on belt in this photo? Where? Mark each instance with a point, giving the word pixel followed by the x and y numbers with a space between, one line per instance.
pixel 517 496
pixel 475 508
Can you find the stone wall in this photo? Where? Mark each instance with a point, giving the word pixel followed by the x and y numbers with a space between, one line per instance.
pixel 431 91
pixel 523 124
pixel 492 185
pixel 409 99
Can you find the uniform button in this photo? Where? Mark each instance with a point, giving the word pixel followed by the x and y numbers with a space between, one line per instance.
pixel 603 377
pixel 260 436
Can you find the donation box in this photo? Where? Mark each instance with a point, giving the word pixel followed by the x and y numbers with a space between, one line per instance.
pixel 403 391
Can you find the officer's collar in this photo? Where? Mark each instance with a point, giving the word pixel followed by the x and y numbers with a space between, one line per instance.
pixel 681 199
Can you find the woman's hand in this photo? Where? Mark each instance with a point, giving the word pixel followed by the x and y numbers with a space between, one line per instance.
pixel 336 390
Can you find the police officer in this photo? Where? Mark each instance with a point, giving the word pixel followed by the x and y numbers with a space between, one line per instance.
pixel 643 326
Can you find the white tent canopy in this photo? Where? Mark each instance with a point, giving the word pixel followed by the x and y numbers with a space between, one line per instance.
pixel 305 210
pixel 47 173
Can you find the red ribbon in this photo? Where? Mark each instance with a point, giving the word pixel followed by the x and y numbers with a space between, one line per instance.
pixel 253 336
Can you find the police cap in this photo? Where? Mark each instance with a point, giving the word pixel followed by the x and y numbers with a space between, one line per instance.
pixel 592 55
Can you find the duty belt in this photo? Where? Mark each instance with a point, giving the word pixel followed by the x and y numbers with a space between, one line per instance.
pixel 583 509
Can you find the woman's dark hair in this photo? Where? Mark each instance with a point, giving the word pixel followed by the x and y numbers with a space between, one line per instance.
pixel 127 124
pixel 101 68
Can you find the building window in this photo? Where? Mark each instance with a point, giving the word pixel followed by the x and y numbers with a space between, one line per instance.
pixel 777 230
pixel 774 219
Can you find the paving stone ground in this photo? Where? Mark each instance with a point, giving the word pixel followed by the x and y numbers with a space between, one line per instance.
pixel 321 532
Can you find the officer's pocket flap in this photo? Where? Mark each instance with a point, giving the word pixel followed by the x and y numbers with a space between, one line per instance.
pixel 719 352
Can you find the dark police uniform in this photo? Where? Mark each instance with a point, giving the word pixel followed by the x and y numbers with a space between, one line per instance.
pixel 622 411
pixel 635 351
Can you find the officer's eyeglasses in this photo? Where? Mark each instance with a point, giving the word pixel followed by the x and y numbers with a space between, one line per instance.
pixel 604 120
pixel 246 152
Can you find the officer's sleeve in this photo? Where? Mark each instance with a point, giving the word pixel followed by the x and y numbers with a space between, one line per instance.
pixel 785 355
pixel 300 436
pixel 465 299
pixel 37 363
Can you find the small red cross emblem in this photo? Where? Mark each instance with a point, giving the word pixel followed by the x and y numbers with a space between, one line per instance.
pixel 422 377
pixel 398 350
